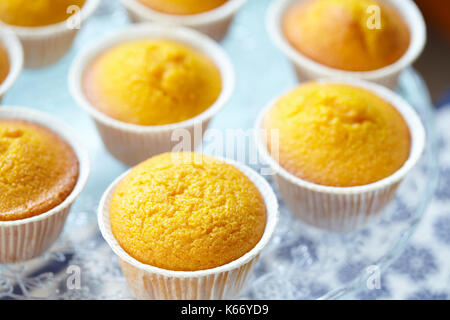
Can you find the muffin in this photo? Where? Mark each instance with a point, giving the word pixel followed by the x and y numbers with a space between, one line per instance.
pixel 4 64
pixel 354 44
pixel 188 226
pixel 152 82
pixel 183 7
pixel 338 135
pixel 38 170
pixel 368 40
pixel 36 13
pixel 339 150
pixel 43 169
pixel 46 28
pixel 187 212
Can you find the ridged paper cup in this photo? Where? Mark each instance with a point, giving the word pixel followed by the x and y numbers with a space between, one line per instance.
pixel 131 143
pixel 343 209
pixel 224 282
pixel 308 69
pixel 214 23
pixel 47 44
pixel 28 238
pixel 15 54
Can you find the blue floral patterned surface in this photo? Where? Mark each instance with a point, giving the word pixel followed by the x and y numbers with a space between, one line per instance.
pixel 300 262
pixel 423 270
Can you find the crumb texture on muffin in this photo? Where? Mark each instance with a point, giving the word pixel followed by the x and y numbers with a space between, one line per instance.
pixel 152 82
pixel 347 34
pixel 38 170
pixel 187 212
pixel 4 64
pixel 183 7
pixel 37 13
pixel 338 135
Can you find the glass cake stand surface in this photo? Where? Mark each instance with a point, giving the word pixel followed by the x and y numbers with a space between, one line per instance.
pixel 299 263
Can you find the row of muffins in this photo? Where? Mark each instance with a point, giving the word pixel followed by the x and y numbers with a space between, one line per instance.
pixel 354 110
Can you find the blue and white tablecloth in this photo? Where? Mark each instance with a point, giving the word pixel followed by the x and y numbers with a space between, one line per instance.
pixel 421 272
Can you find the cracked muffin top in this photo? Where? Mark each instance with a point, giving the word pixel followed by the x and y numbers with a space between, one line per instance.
pixel 37 13
pixel 351 35
pixel 187 212
pixel 152 82
pixel 38 170
pixel 337 135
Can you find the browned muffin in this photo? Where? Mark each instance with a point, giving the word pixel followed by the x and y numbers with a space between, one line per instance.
pixel 38 170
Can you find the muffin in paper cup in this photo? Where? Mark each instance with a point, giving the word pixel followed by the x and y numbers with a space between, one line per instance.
pixel 15 54
pixel 308 69
pixel 223 282
pixel 131 143
pixel 343 209
pixel 214 23
pixel 25 239
pixel 47 44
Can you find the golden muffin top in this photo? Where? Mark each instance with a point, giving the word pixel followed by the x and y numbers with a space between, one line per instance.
pixel 338 135
pixel 38 170
pixel 4 64
pixel 187 212
pixel 183 7
pixel 344 34
pixel 152 82
pixel 36 13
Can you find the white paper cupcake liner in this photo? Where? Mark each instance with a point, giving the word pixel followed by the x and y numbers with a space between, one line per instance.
pixel 214 23
pixel 343 209
pixel 15 53
pixel 224 282
pixel 308 69
pixel 45 45
pixel 130 143
pixel 25 239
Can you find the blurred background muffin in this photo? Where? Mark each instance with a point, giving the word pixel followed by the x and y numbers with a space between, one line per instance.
pixel 152 82
pixel 183 7
pixel 211 17
pixel 38 170
pixel 335 33
pixel 329 134
pixel 46 28
pixel 4 64
pixel 434 64
pixel 36 13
